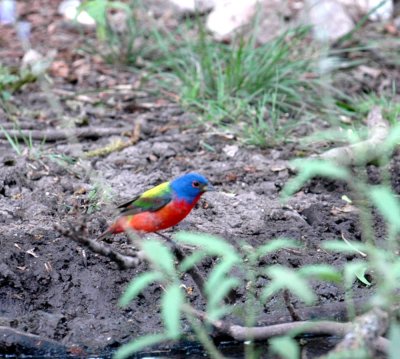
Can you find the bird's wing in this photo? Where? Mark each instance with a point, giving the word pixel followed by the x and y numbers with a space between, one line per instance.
pixel 150 201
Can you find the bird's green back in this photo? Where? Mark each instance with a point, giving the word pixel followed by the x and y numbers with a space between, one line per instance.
pixel 151 200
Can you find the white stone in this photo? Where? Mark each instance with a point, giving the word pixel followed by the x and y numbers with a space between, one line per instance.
pixel 382 13
pixel 231 150
pixel 193 6
pixel 69 10
pixel 8 12
pixel 230 15
pixel 329 18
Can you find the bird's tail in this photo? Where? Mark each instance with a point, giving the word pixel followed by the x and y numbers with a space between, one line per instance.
pixel 104 235
pixel 115 228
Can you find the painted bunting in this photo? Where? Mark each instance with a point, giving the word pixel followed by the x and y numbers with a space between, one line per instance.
pixel 161 207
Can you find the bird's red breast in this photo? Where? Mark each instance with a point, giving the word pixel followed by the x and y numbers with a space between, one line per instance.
pixel 167 216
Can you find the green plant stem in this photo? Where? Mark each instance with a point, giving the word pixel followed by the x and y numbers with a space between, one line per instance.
pixel 360 191
pixel 250 305
pixel 202 336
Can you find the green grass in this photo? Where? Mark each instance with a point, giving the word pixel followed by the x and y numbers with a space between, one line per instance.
pixel 262 93
pixel 12 80
pixel 23 145
pixel 13 141
pixel 119 41
pixel 257 91
pixel 391 108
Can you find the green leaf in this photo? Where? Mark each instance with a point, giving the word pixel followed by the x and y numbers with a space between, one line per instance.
pixel 321 271
pixel 355 270
pixel 219 293
pixel 6 95
pixel 396 269
pixel 172 301
pixel 97 9
pixel 191 260
pixel 394 337
pixel 211 244
pixel 393 139
pixel 218 274
pixel 361 276
pixel 276 245
pixel 159 255
pixel 137 285
pixel 138 344
pixel 312 168
pixel 218 312
pixel 285 347
pixel 285 278
pixel 387 203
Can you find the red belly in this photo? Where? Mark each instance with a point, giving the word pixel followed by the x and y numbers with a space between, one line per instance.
pixel 166 217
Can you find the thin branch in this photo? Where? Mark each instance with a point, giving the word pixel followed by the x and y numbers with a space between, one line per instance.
pixel 367 329
pixel 92 133
pixel 14 341
pixel 240 333
pixel 118 145
pixel 79 236
pixel 324 327
pixel 290 307
pixel 364 151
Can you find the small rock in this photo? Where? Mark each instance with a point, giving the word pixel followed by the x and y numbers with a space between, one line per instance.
pixel 8 12
pixel 231 150
pixel 36 63
pixel 192 6
pixel 69 10
pixel 383 12
pixel 229 15
pixel 329 19
pixel 163 149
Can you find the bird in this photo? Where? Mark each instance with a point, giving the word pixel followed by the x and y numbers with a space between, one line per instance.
pixel 160 207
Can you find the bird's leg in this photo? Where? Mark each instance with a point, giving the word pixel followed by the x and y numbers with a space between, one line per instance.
pixel 170 240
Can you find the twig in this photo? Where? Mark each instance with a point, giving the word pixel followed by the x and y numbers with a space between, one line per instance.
pixel 325 327
pixel 78 235
pixel 240 333
pixel 118 145
pixel 290 307
pixel 366 330
pixel 365 151
pixel 92 133
pixel 17 342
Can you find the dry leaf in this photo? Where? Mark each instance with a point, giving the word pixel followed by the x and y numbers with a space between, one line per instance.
pixel 59 68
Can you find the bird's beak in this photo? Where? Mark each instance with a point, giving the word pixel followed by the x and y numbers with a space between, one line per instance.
pixel 208 188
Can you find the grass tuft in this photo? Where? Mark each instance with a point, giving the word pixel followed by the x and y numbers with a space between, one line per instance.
pixel 247 88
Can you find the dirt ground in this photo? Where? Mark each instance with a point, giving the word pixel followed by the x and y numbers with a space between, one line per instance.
pixel 48 287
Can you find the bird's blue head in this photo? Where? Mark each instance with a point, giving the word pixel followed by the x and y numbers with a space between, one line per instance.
pixel 190 186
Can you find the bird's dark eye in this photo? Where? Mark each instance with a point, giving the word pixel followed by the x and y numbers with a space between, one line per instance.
pixel 196 184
